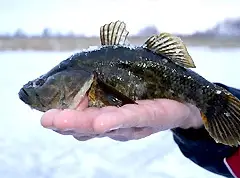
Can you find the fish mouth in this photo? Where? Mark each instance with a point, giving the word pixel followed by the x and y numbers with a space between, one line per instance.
pixel 26 96
pixel 23 95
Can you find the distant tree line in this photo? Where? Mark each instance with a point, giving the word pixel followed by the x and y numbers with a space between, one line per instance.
pixel 47 32
pixel 229 27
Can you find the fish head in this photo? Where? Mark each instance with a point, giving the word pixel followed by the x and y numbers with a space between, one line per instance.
pixel 57 89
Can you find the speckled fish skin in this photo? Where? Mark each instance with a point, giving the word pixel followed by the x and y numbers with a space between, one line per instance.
pixel 117 74
pixel 137 73
pixel 141 74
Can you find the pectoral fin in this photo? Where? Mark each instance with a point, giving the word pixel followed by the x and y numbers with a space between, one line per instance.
pixel 101 94
pixel 114 33
pixel 172 47
pixel 112 96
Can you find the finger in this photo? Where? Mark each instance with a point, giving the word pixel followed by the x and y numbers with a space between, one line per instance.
pixel 78 121
pixel 101 110
pixel 70 122
pixel 161 113
pixel 47 118
pixel 122 134
pixel 194 119
pixel 83 138
pixel 125 134
pixel 84 123
pixel 124 117
pixel 140 133
pixel 73 119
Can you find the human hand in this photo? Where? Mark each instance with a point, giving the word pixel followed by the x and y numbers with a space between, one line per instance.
pixel 125 123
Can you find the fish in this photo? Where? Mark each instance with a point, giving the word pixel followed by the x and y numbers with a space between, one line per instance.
pixel 117 73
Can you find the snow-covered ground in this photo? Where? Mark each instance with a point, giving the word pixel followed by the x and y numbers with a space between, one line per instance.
pixel 30 151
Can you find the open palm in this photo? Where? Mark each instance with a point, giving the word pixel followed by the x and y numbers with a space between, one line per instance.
pixel 125 123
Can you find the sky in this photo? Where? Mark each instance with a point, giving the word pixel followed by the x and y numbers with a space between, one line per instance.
pixel 86 16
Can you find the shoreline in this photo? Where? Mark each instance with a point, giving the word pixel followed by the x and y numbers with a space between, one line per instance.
pixel 76 43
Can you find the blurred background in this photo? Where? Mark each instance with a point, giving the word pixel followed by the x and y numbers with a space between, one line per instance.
pixel 65 25
pixel 37 35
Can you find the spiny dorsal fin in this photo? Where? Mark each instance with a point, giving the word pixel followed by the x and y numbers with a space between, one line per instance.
pixel 113 33
pixel 171 47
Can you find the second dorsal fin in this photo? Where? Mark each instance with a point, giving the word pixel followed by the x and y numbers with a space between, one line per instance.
pixel 114 33
pixel 172 47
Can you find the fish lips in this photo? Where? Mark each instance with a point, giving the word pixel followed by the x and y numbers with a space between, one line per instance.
pixel 23 95
pixel 29 96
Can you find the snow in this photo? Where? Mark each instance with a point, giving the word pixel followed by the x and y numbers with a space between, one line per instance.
pixel 28 150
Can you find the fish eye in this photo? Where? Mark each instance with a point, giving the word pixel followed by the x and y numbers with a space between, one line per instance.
pixel 39 82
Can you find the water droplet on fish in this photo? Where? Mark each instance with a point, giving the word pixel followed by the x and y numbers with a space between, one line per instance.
pixel 227 114
pixel 165 60
pixel 178 51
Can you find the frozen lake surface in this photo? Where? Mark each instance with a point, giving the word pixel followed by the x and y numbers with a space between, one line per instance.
pixel 30 151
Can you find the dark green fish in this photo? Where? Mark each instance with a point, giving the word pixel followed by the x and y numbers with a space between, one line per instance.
pixel 117 74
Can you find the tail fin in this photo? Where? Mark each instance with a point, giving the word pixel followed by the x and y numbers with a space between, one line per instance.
pixel 224 125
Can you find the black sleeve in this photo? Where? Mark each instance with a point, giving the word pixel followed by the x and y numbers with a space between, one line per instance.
pixel 198 146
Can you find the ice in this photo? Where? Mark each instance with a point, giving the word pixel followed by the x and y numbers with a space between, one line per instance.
pixel 30 151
